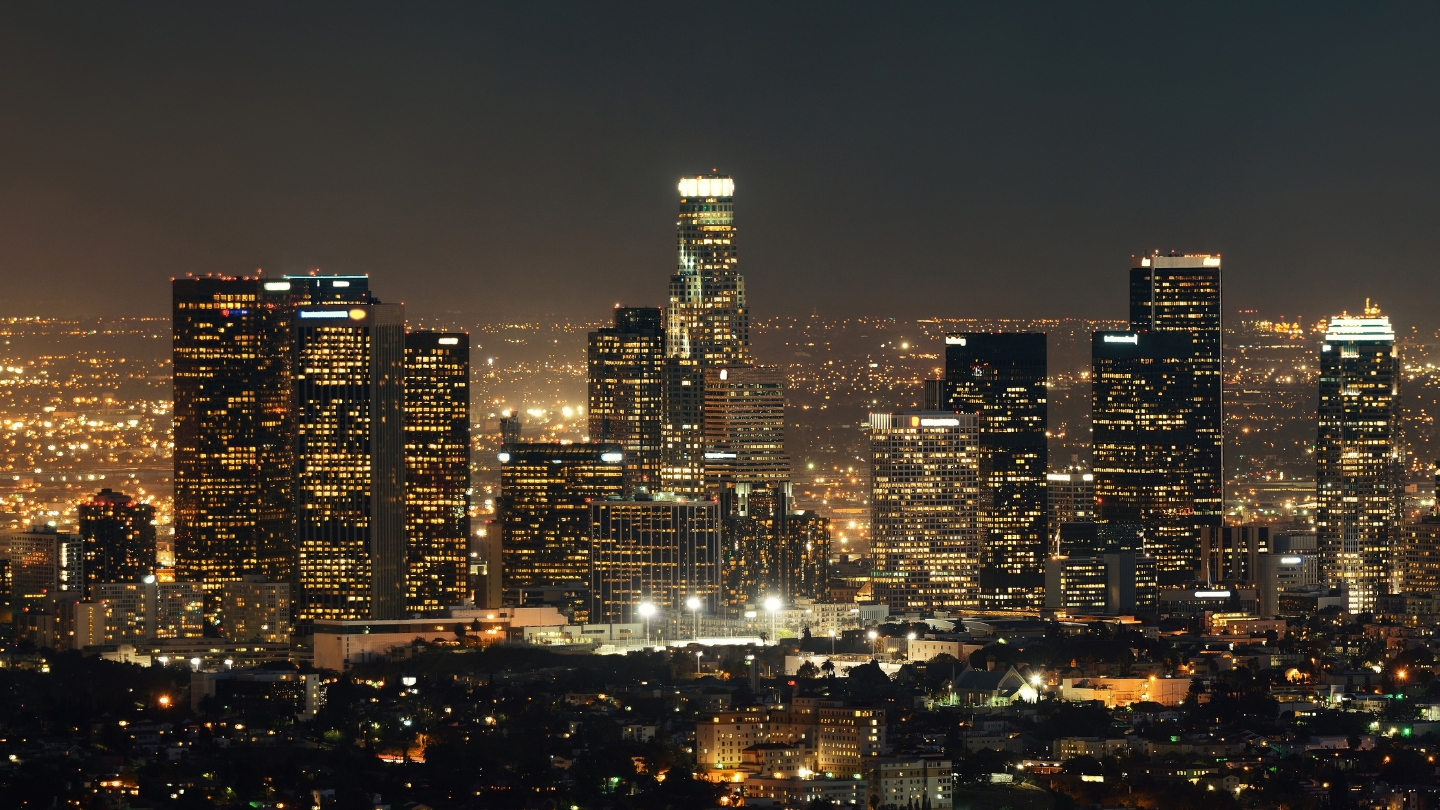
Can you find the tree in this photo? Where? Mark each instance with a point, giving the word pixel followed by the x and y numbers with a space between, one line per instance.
pixel 808 670
pixel 829 667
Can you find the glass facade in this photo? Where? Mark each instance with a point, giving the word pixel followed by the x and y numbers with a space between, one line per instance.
pixel 1357 459
pixel 437 469
pixel 1143 438
pixel 627 391
pixel 234 511
pixel 772 550
pixel 543 513
pixel 664 552
pixel 925 501
pixel 1001 377
pixel 348 370
pixel 744 428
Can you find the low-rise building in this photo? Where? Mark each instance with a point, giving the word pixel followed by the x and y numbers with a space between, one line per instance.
pixel 339 644
pixel 1114 692
pixel 911 782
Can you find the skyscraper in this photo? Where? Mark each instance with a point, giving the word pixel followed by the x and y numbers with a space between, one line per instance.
pixel 546 489
pixel 661 551
pixel 1071 498
pixel 925 509
pixel 708 321
pixel 1357 459
pixel 1001 377
pixel 1181 293
pixel 744 419
pixel 234 512
pixel 1143 438
pixel 437 469
pixel 772 550
pixel 627 391
pixel 349 400
pixel 117 536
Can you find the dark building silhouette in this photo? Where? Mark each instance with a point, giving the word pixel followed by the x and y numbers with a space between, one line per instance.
pixel 1001 377
pixel 117 534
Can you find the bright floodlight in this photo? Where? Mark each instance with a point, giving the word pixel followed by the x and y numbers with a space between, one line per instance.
pixel 693 603
pixel 772 603
pixel 647 610
pixel 911 637
pixel 873 635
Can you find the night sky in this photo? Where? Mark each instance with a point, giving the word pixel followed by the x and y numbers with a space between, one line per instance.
pixel 515 161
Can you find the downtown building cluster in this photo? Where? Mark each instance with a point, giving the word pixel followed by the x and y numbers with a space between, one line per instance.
pixel 679 505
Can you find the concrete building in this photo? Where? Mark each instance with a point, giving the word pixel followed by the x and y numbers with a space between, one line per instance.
pixel 255 609
pixel 911 782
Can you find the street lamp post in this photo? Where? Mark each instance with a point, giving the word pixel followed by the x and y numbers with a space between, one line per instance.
pixel 694 604
pixel 647 610
pixel 772 604
pixel 874 646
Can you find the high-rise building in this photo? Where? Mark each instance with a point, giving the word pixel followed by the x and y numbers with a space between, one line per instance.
pixel 707 324
pixel 437 469
pixel 1071 499
pixel 925 510
pixel 1232 553
pixel 744 428
pixel 627 391
pixel 1100 568
pixel 708 321
pixel 772 550
pixel 1001 377
pixel 41 564
pixel 118 537
pixel 682 469
pixel 543 512
pixel 1357 459
pixel 1181 293
pixel 233 449
pixel 255 609
pixel 349 401
pixel 662 551
pixel 1143 438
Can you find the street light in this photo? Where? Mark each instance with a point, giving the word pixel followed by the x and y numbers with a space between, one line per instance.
pixel 694 604
pixel 647 610
pixel 832 643
pixel 772 605
pixel 874 650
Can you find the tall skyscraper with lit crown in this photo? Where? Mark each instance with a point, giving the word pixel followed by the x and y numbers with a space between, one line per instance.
pixel 1357 458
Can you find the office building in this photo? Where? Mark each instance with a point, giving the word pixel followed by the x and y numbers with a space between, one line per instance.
pixel 773 550
pixel 1100 568
pixel 1181 294
pixel 1071 499
pixel 744 429
pixel 707 321
pixel 627 392
pixel 663 552
pixel 707 324
pixel 1144 438
pixel 1357 459
pixel 233 431
pixel 925 510
pixel 1279 572
pixel 1419 555
pixel 118 538
pixel 487 586
pixel 255 609
pixel 41 564
pixel 1232 553
pixel 349 401
pixel 141 611
pixel 1001 378
pixel 682 467
pixel 437 469
pixel 543 512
